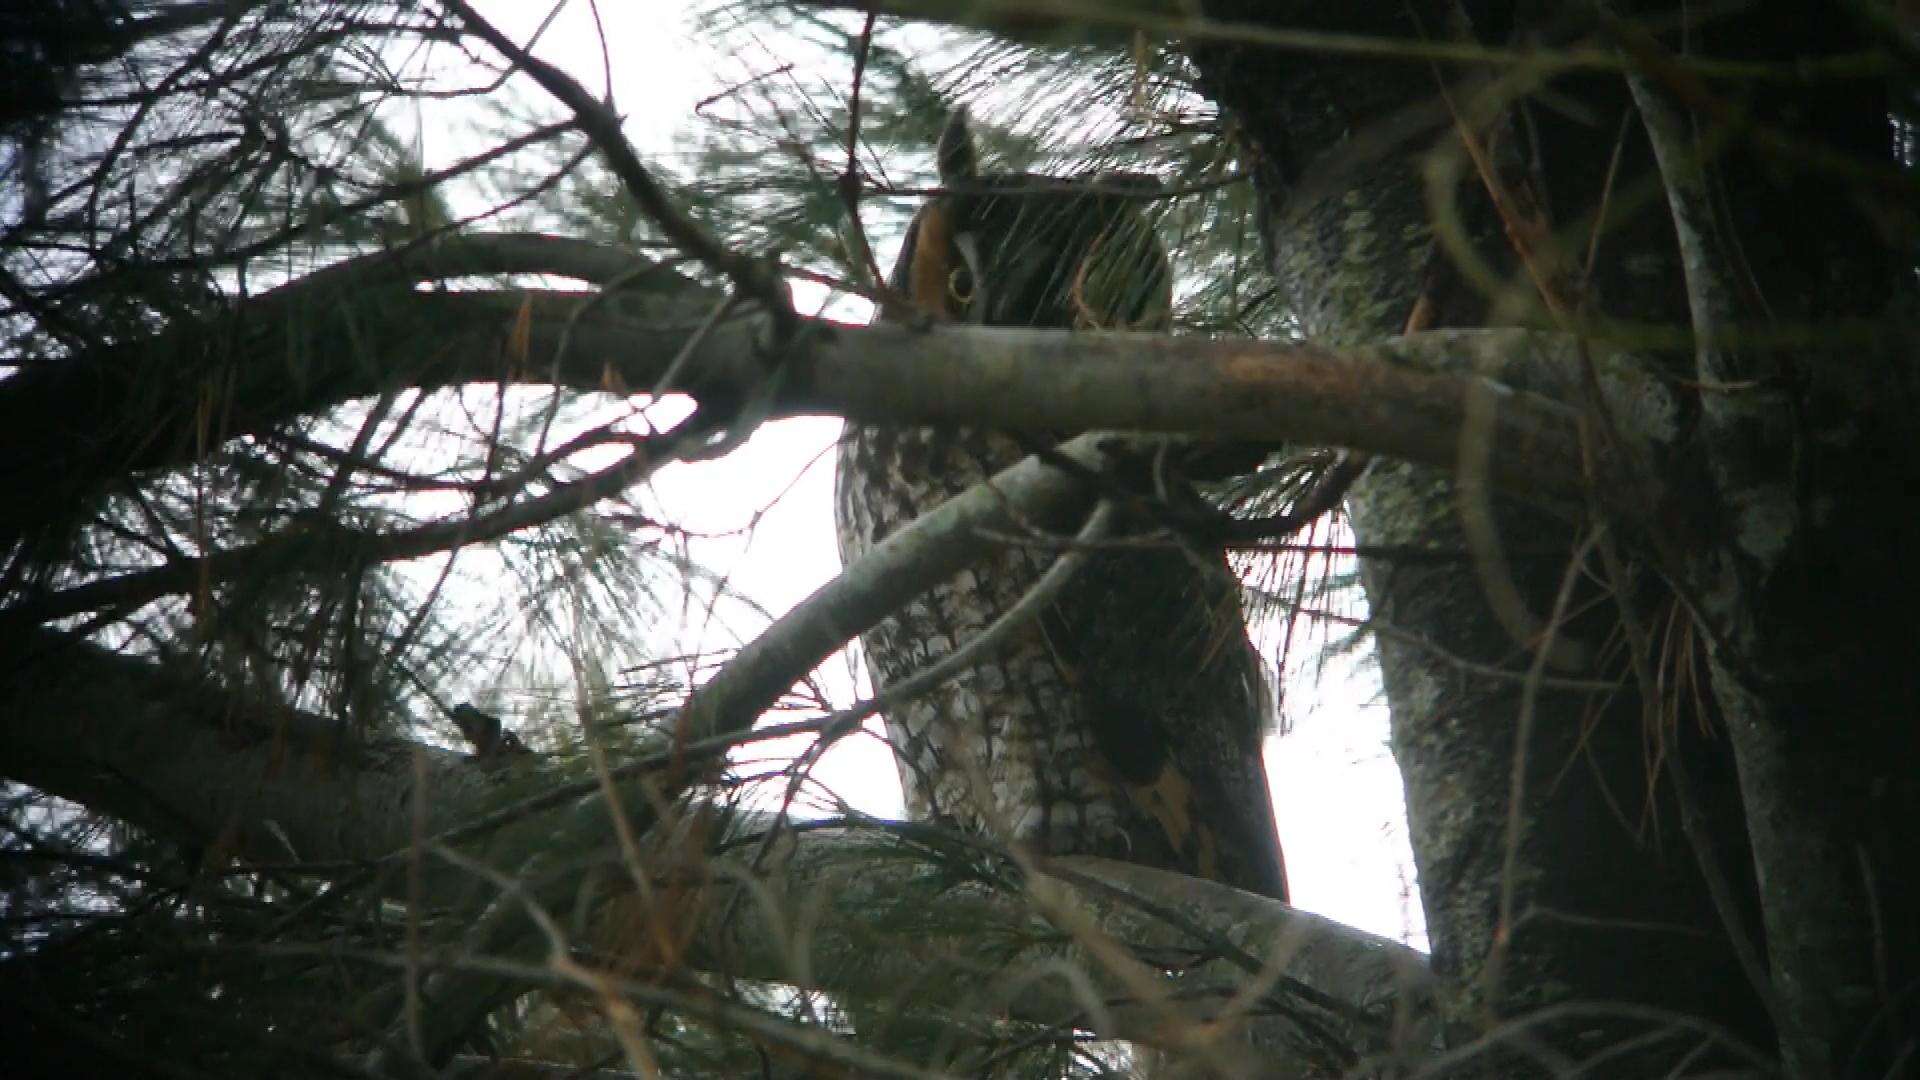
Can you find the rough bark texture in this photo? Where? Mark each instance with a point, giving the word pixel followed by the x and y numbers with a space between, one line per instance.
pixel 1606 900
pixel 1815 485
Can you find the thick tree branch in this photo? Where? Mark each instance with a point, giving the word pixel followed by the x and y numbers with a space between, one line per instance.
pixel 911 561
pixel 84 721
pixel 362 328
pixel 1293 28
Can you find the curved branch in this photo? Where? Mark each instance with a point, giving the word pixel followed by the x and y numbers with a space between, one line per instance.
pixel 933 548
pixel 283 785
pixel 365 327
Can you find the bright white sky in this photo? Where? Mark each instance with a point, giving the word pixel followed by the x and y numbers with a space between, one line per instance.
pixel 768 509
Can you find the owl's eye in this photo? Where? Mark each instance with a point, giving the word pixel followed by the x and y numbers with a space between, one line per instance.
pixel 960 284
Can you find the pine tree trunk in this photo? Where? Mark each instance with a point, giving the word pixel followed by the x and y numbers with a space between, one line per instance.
pixel 1590 889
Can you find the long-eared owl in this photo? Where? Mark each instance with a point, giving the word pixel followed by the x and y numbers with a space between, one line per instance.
pixel 1126 721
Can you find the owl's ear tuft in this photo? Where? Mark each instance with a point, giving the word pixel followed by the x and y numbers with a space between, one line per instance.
pixel 959 161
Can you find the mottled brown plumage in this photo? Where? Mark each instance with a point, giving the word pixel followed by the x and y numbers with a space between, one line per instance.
pixel 1127 720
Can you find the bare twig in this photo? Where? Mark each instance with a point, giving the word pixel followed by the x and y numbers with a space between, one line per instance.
pixel 849 183
pixel 755 279
pixel 300 544
pixel 1517 774
pixel 974 651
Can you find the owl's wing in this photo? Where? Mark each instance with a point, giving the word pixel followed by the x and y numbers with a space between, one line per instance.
pixel 1126 722
pixel 1173 694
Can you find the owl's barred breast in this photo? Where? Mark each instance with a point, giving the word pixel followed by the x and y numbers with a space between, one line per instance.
pixel 1126 722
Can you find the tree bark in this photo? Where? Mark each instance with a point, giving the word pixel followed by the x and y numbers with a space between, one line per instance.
pixel 356 330
pixel 1540 900
pixel 280 786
